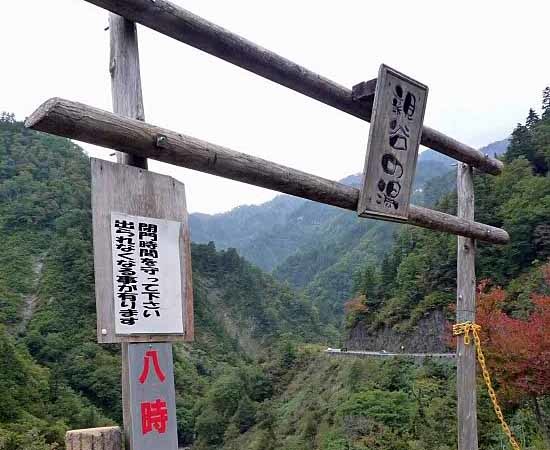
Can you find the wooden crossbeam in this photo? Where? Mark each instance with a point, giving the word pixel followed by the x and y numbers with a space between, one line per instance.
pixel 95 126
pixel 184 26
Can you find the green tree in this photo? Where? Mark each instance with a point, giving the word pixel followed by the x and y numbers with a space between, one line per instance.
pixel 393 409
pixel 210 426
pixel 369 284
pixel 521 144
pixel 532 118
pixel 245 416
pixel 546 103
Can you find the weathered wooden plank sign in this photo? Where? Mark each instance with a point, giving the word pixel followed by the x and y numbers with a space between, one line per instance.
pixel 392 150
pixel 141 255
pixel 152 397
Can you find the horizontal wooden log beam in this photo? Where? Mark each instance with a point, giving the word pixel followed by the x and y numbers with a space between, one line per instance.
pixel 182 25
pixel 95 126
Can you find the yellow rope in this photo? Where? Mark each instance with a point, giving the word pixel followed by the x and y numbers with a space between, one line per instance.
pixel 465 329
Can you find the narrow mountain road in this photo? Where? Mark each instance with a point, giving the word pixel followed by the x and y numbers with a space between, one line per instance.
pixel 366 354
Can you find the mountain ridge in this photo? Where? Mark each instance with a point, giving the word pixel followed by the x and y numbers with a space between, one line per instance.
pixel 246 226
pixel 315 247
pixel 53 374
pixel 283 221
pixel 249 381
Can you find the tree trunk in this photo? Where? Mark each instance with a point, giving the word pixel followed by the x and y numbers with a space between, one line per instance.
pixel 544 427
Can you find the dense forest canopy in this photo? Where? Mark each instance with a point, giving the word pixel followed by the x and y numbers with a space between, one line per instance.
pixel 256 378
pixel 419 274
pixel 47 311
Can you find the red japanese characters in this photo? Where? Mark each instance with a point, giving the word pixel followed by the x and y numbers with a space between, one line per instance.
pixel 154 415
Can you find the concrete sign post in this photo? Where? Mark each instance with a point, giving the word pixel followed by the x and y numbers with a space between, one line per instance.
pixel 394 137
pixel 152 397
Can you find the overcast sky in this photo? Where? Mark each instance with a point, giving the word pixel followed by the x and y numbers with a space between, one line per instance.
pixel 485 62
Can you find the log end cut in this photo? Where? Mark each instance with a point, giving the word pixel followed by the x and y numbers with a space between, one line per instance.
pixel 34 120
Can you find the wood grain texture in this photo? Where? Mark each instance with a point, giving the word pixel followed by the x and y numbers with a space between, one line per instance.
pixel 465 311
pixel 184 26
pixel 150 389
pixel 131 190
pixel 451 147
pixel 95 126
pixel 127 99
pixel 390 165
pixel 126 91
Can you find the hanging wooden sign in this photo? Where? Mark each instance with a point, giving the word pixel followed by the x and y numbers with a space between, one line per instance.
pixel 392 151
pixel 141 255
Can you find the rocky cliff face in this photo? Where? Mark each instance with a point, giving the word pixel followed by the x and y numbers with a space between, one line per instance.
pixel 427 336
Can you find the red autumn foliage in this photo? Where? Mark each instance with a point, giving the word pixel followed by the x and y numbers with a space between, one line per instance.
pixel 357 305
pixel 517 351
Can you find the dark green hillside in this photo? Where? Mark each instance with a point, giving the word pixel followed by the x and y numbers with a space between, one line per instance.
pixel 254 379
pixel 422 264
pixel 343 403
pixel 44 202
pixel 53 374
pixel 348 404
pixel 418 276
pixel 245 226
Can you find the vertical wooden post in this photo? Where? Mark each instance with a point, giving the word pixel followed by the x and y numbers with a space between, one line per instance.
pixel 125 78
pixel 127 101
pixel 465 311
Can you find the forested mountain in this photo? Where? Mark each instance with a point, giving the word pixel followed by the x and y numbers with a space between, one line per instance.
pixel 256 377
pixel 269 233
pixel 53 374
pixel 417 278
pixel 315 247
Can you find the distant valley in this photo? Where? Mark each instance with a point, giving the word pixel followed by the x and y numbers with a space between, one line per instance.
pixel 315 247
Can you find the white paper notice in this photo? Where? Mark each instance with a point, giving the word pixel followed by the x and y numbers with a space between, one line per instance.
pixel 146 275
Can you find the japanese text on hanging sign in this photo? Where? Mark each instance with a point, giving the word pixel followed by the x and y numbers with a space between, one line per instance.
pixel 146 275
pixel 394 138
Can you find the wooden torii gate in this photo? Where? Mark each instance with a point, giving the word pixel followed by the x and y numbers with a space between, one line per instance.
pixel 126 132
